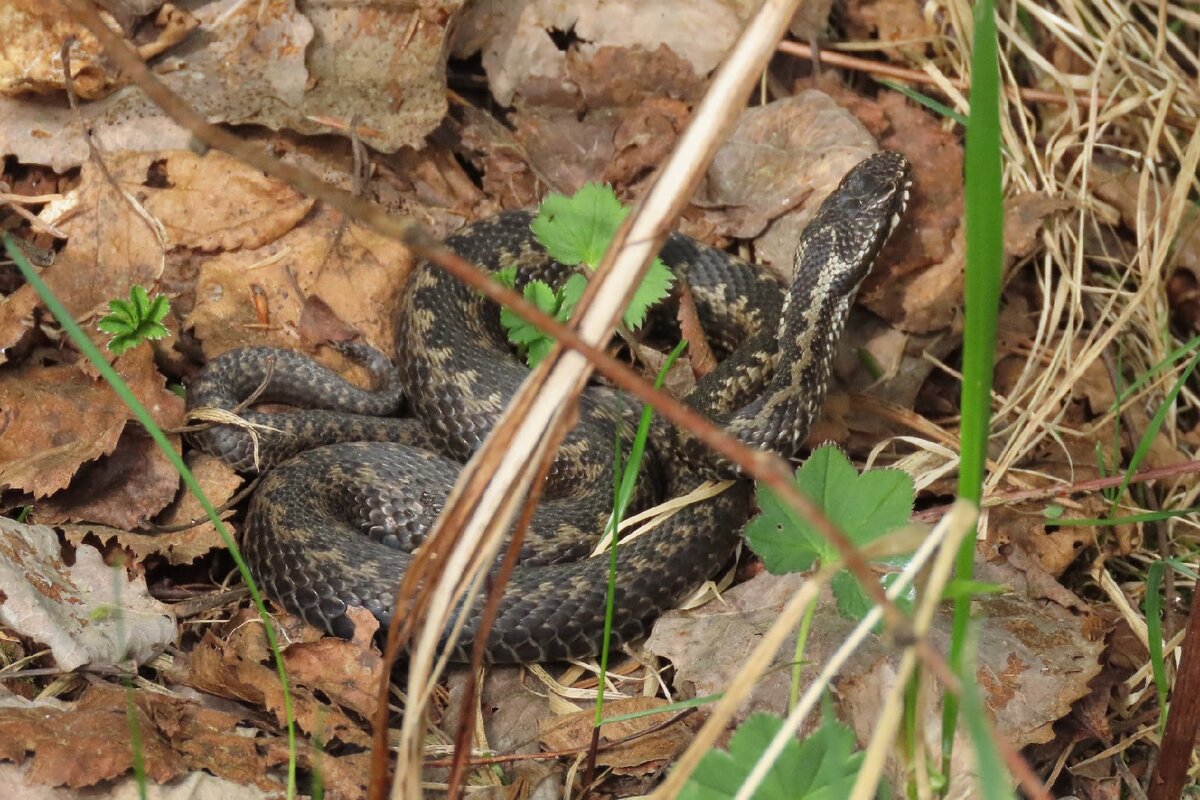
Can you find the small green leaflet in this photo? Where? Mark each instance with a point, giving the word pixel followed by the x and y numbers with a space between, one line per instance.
pixel 577 230
pixel 559 304
pixel 865 506
pixel 135 320
pixel 822 767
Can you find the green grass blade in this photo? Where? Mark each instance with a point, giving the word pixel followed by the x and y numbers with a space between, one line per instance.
pixel 1148 435
pixel 678 705
pixel 937 107
pixel 993 781
pixel 143 416
pixel 1154 632
pixel 1158 668
pixel 1148 516
pixel 985 256
pixel 629 472
pixel 1185 349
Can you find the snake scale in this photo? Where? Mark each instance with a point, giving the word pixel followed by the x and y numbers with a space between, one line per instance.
pixel 351 488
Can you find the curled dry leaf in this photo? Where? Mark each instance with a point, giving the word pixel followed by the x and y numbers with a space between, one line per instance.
pixel 218 481
pixel 31 58
pixel 87 613
pixel 240 668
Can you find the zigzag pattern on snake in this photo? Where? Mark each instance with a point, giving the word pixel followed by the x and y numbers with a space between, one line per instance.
pixel 351 489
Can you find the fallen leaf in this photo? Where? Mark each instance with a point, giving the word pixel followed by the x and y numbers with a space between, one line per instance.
pixel 897 22
pixel 124 488
pixel 219 668
pixel 348 673
pixel 1033 658
pixel 526 66
pixel 512 711
pixel 1024 216
pixel 639 756
pixel 192 786
pixel 31 61
pixel 264 63
pixel 87 613
pixel 308 262
pixel 780 161
pixel 186 201
pixel 916 284
pixel 181 547
pixel 57 418
pixel 89 741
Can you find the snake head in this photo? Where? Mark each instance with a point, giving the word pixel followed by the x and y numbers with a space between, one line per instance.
pixel 855 221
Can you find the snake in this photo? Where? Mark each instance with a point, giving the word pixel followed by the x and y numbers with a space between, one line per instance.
pixel 352 480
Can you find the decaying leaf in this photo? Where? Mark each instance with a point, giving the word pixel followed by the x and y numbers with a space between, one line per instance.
pixel 779 163
pixel 1033 660
pixel 87 613
pixel 182 547
pixel 240 668
pixel 235 289
pixel 58 418
pixel 525 64
pixel 89 742
pixel 264 63
pixel 646 750
pixel 31 58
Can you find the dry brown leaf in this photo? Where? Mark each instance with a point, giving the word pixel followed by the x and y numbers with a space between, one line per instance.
pixel 1024 215
pixel 57 418
pixel 124 489
pixel 308 261
pixel 526 66
pixel 642 755
pixel 16 318
pixel 87 613
pixel 1033 658
pixel 931 239
pixel 492 148
pixel 87 742
pixel 347 672
pixel 203 203
pixel 264 63
pixel 219 483
pixel 899 21
pixel 1027 528
pixel 219 668
pixel 83 744
pixel 30 55
pixel 183 547
pixel 512 706
pixel 192 786
pixel 645 138
pixel 779 163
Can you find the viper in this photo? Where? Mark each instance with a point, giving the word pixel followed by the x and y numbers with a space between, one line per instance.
pixel 351 487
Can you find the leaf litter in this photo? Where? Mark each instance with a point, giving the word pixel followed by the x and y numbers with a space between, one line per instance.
pixel 543 97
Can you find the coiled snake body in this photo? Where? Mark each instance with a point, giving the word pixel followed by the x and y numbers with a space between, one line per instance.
pixel 330 528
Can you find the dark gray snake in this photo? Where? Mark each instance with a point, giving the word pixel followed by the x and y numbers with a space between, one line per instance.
pixel 350 488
